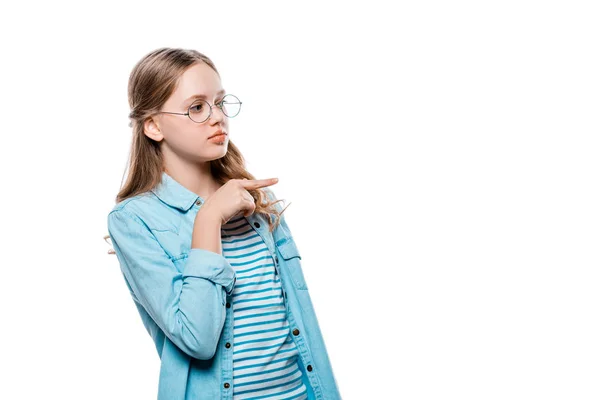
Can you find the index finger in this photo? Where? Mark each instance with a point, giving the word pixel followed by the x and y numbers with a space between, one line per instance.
pixel 258 183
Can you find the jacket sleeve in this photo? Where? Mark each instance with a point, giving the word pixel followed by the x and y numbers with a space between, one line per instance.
pixel 188 306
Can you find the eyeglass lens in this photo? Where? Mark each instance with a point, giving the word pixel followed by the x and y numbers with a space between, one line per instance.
pixel 200 109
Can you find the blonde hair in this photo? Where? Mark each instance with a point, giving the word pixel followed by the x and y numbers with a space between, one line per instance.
pixel 151 83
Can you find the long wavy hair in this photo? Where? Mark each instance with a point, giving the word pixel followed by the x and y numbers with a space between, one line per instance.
pixel 151 83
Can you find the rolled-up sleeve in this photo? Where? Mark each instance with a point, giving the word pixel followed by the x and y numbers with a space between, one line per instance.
pixel 212 266
pixel 189 306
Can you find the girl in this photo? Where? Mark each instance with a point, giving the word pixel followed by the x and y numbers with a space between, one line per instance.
pixel 205 251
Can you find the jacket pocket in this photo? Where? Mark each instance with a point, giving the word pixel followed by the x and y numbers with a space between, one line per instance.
pixel 291 256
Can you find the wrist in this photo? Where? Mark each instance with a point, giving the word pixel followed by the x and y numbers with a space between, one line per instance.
pixel 207 216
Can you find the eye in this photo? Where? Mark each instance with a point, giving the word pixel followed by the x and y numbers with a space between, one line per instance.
pixel 196 107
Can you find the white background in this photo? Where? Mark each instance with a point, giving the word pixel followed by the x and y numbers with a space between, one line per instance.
pixel 441 159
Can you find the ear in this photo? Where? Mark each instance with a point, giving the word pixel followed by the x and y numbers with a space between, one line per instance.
pixel 152 130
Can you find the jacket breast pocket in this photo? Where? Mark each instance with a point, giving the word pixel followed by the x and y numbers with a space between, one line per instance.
pixel 291 256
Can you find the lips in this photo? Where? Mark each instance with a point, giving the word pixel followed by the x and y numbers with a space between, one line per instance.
pixel 217 133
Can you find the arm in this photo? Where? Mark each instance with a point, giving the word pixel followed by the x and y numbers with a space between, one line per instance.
pixel 189 307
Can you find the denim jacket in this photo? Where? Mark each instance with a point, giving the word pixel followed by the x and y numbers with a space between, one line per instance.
pixel 183 294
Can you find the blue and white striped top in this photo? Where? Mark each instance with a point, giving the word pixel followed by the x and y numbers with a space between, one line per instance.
pixel 264 354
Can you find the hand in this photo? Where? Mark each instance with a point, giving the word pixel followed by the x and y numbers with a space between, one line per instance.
pixel 233 198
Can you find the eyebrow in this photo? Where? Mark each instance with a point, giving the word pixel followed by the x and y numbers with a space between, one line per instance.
pixel 202 96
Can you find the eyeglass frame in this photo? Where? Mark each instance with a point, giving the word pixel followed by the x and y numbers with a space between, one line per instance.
pixel 209 112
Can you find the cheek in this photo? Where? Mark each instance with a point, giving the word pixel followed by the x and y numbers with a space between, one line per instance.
pixel 185 137
pixel 184 134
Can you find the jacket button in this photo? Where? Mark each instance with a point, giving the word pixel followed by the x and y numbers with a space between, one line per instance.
pixel 228 345
pixel 227 305
pixel 256 224
pixel 277 259
pixel 309 368
pixel 296 332
pixel 226 385
pixel 198 202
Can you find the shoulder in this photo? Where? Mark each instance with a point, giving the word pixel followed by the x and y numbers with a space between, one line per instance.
pixel 148 210
pixel 272 197
pixel 269 192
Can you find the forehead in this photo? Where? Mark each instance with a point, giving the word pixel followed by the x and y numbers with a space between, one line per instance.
pixel 197 79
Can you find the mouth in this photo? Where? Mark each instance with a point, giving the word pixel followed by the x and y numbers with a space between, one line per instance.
pixel 219 133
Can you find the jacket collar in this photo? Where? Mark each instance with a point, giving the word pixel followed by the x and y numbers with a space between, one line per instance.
pixel 174 194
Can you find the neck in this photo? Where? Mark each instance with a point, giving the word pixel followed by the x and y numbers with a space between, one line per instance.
pixel 195 177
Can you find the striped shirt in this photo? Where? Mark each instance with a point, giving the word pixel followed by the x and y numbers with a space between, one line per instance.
pixel 264 353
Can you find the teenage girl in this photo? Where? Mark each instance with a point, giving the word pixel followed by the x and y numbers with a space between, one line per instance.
pixel 205 251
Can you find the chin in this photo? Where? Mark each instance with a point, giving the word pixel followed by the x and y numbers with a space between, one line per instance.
pixel 222 151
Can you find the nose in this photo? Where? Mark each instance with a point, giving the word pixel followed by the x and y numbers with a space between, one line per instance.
pixel 217 114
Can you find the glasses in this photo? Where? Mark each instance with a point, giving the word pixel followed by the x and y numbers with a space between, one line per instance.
pixel 201 110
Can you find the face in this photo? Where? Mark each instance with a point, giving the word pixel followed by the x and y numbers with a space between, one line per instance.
pixel 180 135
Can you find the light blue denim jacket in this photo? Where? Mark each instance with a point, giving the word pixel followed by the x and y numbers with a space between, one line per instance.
pixel 183 294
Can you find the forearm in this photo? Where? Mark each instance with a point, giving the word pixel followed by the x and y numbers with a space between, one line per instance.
pixel 207 232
